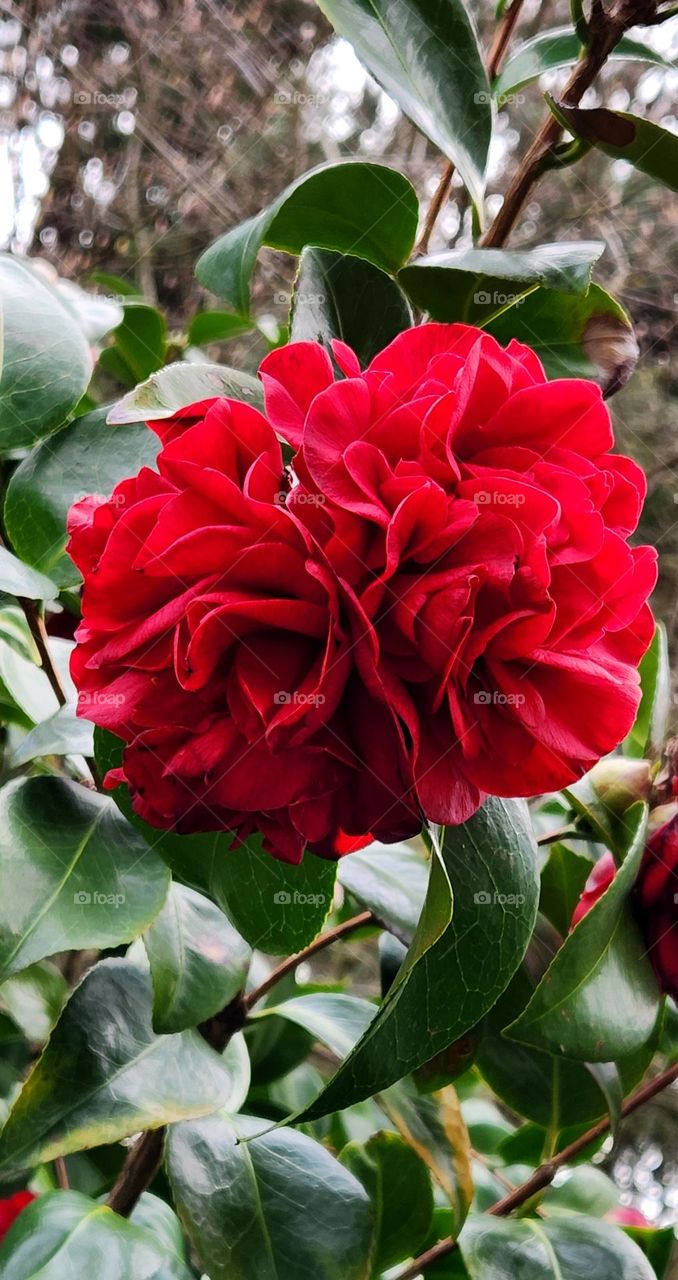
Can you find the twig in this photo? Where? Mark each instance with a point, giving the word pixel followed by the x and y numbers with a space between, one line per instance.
pixel 293 962
pixel 544 1175
pixel 61 1174
pixel 564 833
pixel 36 627
pixel 495 58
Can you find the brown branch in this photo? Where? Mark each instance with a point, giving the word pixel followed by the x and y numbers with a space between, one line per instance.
pixel 36 627
pixel 293 962
pixel 61 1174
pixel 606 30
pixel 544 1175
pixel 495 57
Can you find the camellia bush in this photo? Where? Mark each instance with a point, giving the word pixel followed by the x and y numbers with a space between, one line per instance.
pixel 354 651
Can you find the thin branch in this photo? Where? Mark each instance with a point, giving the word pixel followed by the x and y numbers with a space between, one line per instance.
pixel 502 38
pixel 293 962
pixel 36 626
pixel 544 1175
pixel 61 1174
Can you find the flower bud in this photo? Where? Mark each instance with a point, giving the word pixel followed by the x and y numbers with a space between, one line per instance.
pixel 619 782
pixel 11 1207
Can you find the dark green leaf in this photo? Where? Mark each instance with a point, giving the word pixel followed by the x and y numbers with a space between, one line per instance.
pixel 363 209
pixel 81 875
pixel 563 877
pixel 45 363
pixel 553 50
pixel 457 965
pixel 62 734
pixel 643 144
pixel 476 284
pixel 598 1000
pixel 139 344
pixel 572 1248
pixel 391 881
pixel 585 1190
pixel 658 1247
pixel 65 1234
pixel 35 999
pixel 198 961
pixel 582 336
pixel 178 385
pixel 648 734
pixel 216 326
pixel 85 457
pixel 127 1077
pixel 425 54
pixel 399 1187
pixel 337 1021
pixel 18 579
pixel 276 1208
pixel 339 296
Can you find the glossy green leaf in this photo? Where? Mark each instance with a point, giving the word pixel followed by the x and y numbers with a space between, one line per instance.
pixel 339 296
pixel 575 336
pixel 65 1234
pixel 563 877
pixel 18 579
pixel 35 998
pixel 389 880
pixel 44 358
pixel 85 457
pixel 553 50
pixel 216 326
pixel 198 961
pixel 645 145
pixel 658 1247
pixel 95 315
pixel 648 734
pixel 139 344
pixel 459 963
pixel 474 285
pixel 572 1248
pixel 178 385
pixel 599 999
pixel 81 876
pixel 425 54
pixel 274 906
pixel 353 207
pixel 433 1125
pixel 337 1021
pixel 155 1216
pixel 399 1187
pixel 62 734
pixel 128 1078
pixel 279 1207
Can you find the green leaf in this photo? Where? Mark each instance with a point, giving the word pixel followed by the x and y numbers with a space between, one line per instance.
pixel 399 1187
pixel 476 284
pixel 657 1246
pixel 274 906
pixel 563 877
pixel 337 1021
pixel 433 1125
pixel 339 296
pixel 44 358
pixel 35 999
pixel 81 876
pixel 598 1000
pixel 95 315
pixel 572 1248
pixel 198 961
pixel 425 54
pixel 181 384
pixel 216 326
pixel 582 336
pixel 276 1208
pixel 65 1233
pixel 553 50
pixel 643 144
pixel 389 880
pixel 584 1190
pixel 363 209
pixel 648 734
pixel 18 579
pixel 459 964
pixel 85 457
pixel 139 344
pixel 128 1078
pixel 62 734
pixel 155 1216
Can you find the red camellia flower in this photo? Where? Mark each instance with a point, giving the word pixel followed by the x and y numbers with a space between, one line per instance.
pixel 655 900
pixel 436 603
pixel 479 524
pixel 213 642
pixel 11 1207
